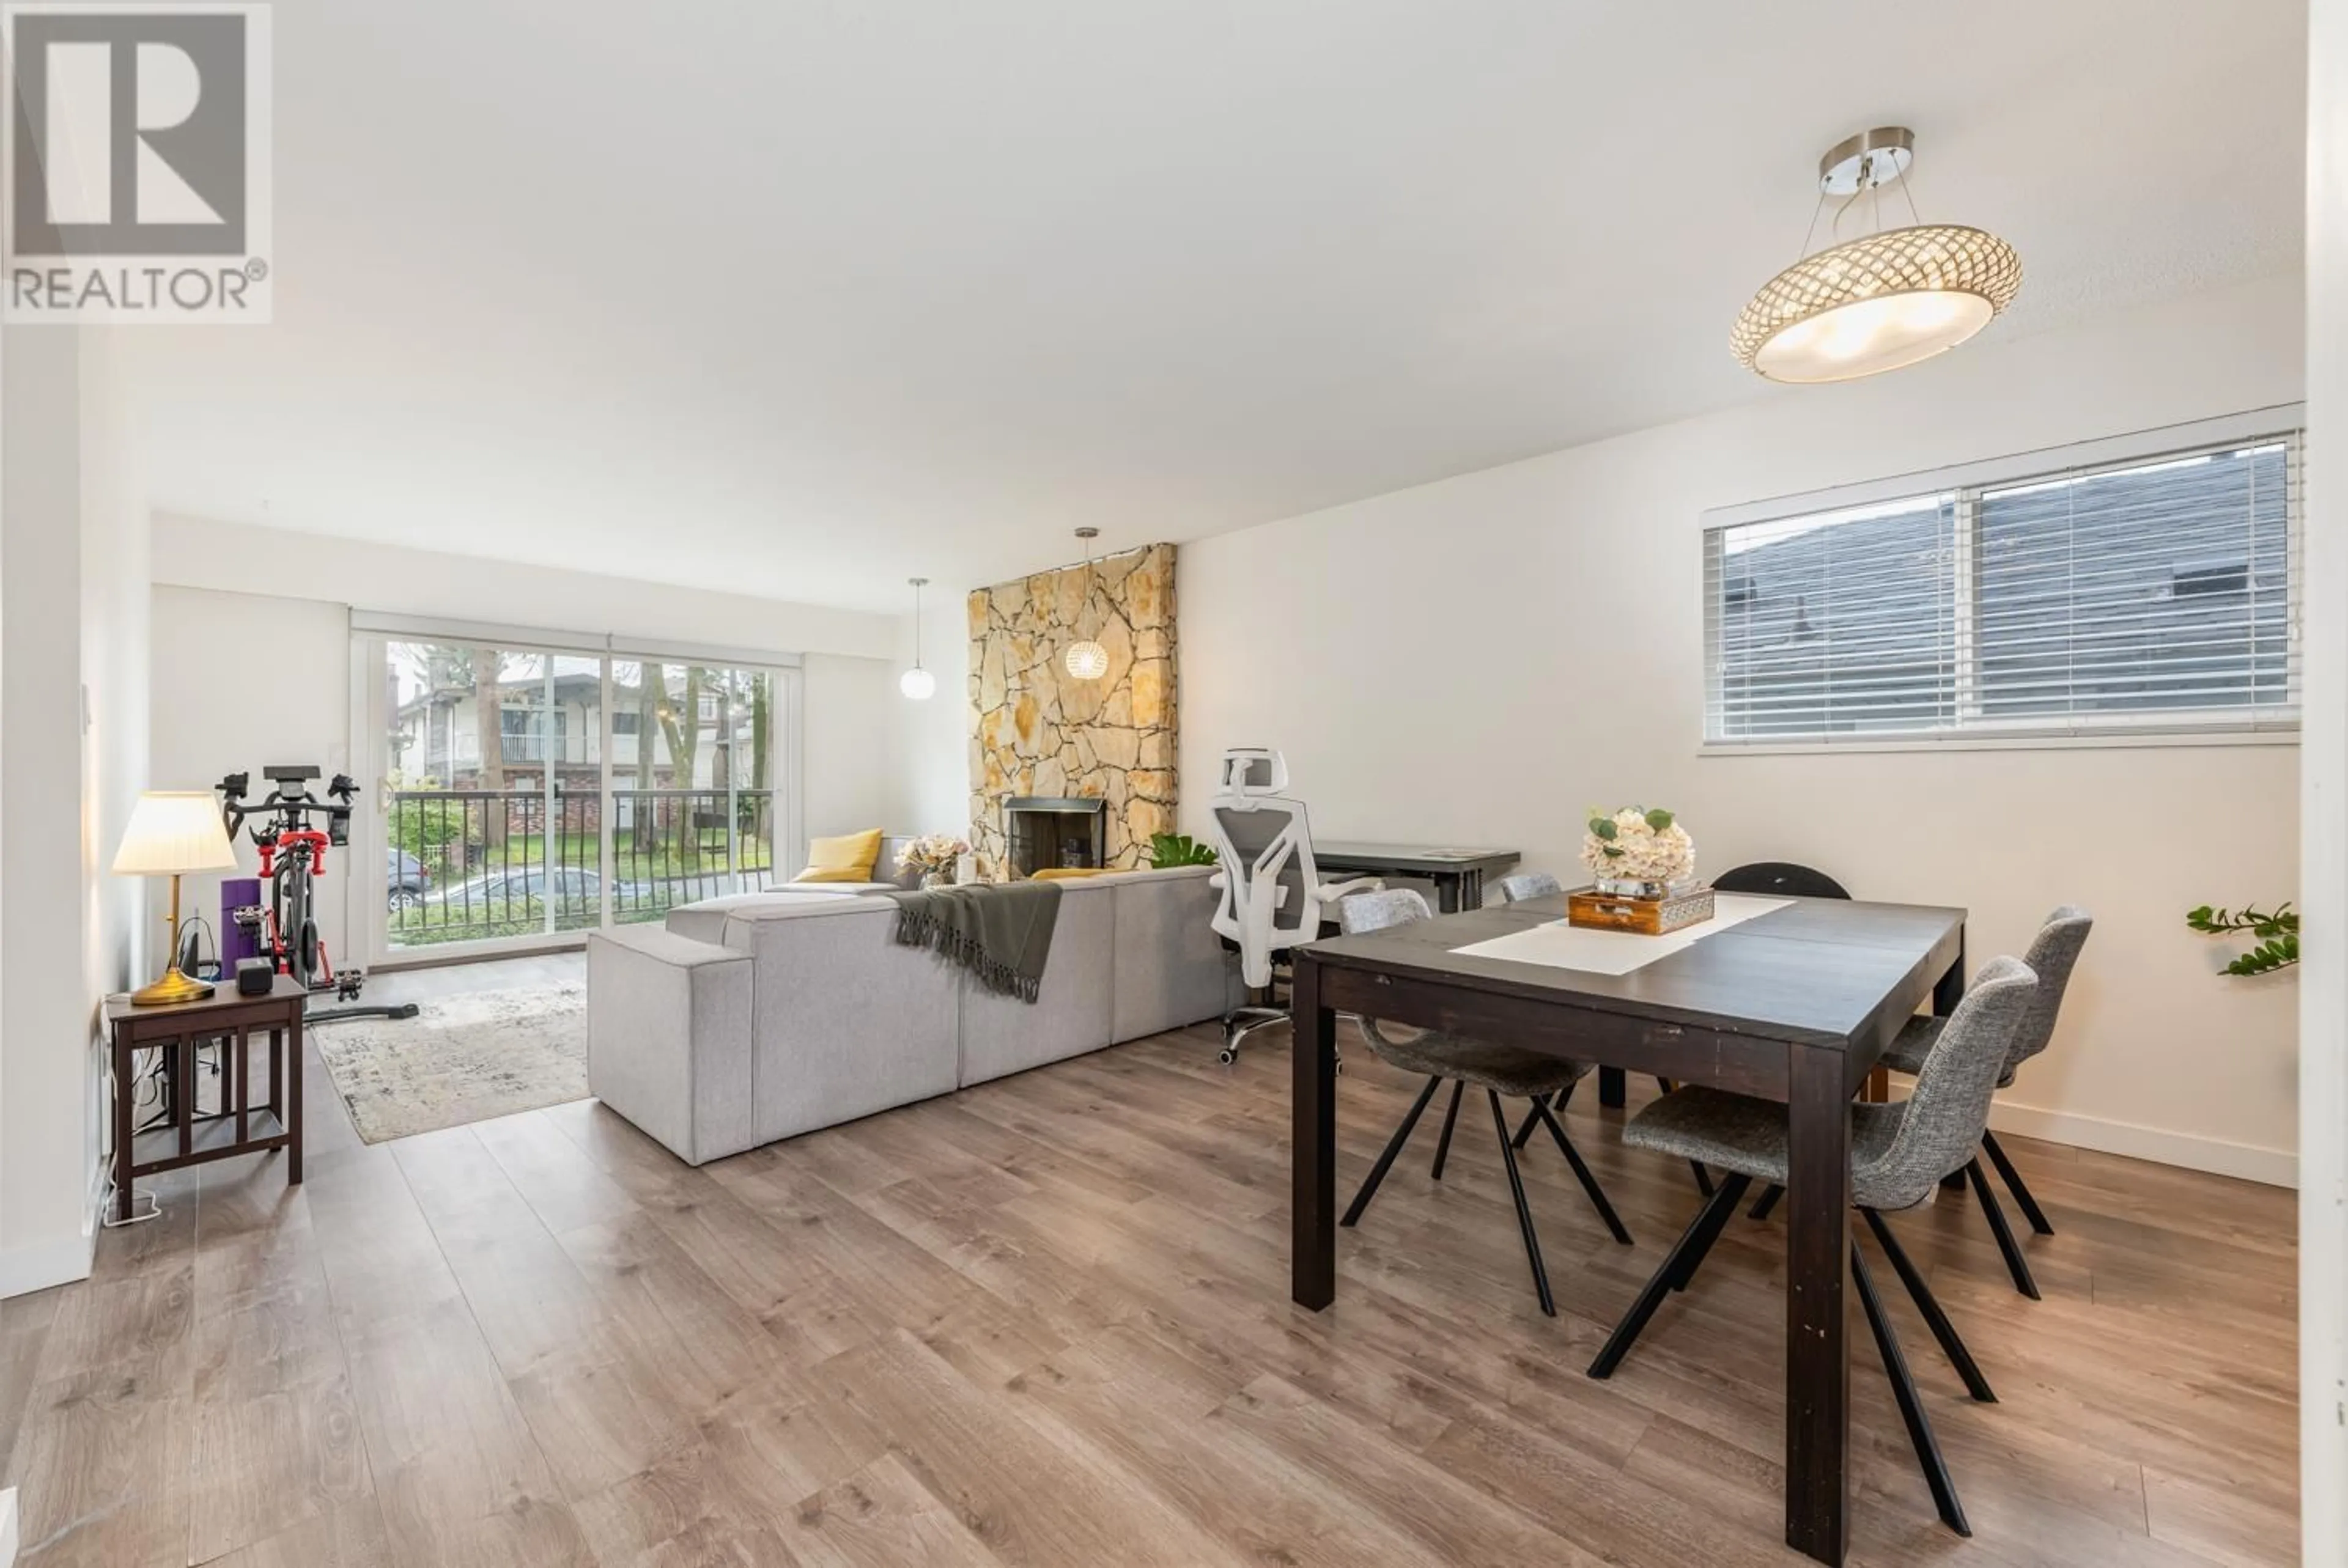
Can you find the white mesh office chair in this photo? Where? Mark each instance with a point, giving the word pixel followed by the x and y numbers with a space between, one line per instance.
pixel 1273 897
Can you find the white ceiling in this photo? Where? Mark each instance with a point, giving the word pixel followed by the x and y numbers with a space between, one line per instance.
pixel 802 297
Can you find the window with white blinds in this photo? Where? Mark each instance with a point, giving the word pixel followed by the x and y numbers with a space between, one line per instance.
pixel 2157 594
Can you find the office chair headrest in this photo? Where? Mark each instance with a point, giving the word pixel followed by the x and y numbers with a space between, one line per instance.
pixel 1249 771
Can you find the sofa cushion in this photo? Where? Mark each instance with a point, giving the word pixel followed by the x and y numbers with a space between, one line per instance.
pixel 846 1022
pixel 1171 969
pixel 668 1039
pixel 1070 1014
pixel 848 857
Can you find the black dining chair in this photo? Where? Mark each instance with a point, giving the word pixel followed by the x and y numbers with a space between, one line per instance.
pixel 1779 879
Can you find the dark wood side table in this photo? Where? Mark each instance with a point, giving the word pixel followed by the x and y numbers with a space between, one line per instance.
pixel 1457 874
pixel 186 1135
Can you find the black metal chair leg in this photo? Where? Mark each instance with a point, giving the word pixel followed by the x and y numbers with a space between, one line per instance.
pixel 1581 1173
pixel 1443 1144
pixel 2015 1263
pixel 1659 1286
pixel 1911 1408
pixel 1929 1305
pixel 1393 1147
pixel 1766 1202
pixel 1524 1210
pixel 1721 1214
pixel 1524 1134
pixel 2015 1185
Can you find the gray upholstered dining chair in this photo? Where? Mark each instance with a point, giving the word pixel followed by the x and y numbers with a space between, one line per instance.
pixel 1527 885
pixel 2052 954
pixel 1497 1070
pixel 1899 1153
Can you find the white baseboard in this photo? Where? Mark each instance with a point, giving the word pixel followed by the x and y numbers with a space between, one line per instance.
pixel 8 1528
pixel 25 1269
pixel 2274 1167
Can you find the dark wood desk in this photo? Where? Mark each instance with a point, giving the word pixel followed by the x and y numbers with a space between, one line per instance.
pixel 1457 874
pixel 188 1136
pixel 1794 1006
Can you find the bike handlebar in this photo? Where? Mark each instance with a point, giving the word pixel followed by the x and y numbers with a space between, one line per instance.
pixel 292 810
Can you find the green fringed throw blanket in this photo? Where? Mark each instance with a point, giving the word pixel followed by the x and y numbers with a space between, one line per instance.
pixel 1000 932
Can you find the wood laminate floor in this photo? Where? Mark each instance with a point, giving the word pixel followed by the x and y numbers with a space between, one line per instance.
pixel 1045 1322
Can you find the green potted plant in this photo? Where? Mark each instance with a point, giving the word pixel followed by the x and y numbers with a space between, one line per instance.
pixel 2274 932
pixel 1171 849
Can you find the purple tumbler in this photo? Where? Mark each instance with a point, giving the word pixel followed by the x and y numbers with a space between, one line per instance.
pixel 239 938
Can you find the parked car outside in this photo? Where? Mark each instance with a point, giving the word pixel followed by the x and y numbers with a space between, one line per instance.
pixel 408 881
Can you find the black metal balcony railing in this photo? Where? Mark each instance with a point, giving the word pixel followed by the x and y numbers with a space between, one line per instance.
pixel 470 864
pixel 572 751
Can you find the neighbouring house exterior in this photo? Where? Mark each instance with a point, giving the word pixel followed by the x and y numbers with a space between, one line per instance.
pixel 554 722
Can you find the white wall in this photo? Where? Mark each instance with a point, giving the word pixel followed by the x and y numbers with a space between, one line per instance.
pixel 43 1017
pixel 1480 660
pixel 850 733
pixel 195 552
pixel 2323 999
pixel 72 696
pixel 242 680
pixel 932 738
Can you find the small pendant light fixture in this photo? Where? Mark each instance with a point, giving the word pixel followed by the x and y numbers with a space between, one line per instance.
pixel 1883 301
pixel 1087 659
pixel 917 682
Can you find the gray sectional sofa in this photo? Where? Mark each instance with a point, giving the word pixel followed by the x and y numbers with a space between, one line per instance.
pixel 753 1017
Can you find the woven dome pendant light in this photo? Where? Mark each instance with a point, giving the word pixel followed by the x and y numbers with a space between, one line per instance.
pixel 1087 659
pixel 1879 302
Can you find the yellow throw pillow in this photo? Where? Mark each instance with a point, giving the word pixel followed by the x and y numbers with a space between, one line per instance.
pixel 848 858
pixel 1068 873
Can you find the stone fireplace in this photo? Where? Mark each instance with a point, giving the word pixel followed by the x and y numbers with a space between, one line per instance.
pixel 1039 733
pixel 1050 833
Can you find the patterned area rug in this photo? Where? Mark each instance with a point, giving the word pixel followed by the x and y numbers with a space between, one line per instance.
pixel 468 1058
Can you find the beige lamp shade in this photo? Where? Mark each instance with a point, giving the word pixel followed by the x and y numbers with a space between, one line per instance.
pixel 174 831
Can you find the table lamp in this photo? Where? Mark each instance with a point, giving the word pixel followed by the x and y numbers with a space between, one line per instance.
pixel 173 833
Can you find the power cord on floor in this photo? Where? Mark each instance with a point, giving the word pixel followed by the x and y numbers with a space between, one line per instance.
pixel 154 1209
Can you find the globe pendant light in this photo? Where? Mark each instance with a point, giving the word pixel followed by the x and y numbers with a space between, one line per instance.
pixel 1881 301
pixel 917 682
pixel 1087 659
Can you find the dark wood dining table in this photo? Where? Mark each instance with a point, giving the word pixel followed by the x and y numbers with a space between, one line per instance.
pixel 1795 1005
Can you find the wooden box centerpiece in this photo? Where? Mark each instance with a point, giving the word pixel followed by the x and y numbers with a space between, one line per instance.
pixel 1649 917
pixel 1645 863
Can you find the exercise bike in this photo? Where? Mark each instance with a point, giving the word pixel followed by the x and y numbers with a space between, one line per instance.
pixel 293 855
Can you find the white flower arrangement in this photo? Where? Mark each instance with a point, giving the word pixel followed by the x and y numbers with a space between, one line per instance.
pixel 933 853
pixel 1636 845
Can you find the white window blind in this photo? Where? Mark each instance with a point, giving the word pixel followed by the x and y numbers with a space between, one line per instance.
pixel 2155 595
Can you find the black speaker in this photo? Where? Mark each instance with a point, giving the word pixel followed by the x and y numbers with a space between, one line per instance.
pixel 254 977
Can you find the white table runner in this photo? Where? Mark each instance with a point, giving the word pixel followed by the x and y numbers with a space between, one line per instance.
pixel 1561 945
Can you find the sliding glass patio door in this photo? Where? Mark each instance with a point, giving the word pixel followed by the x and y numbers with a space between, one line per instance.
pixel 694 755
pixel 528 794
